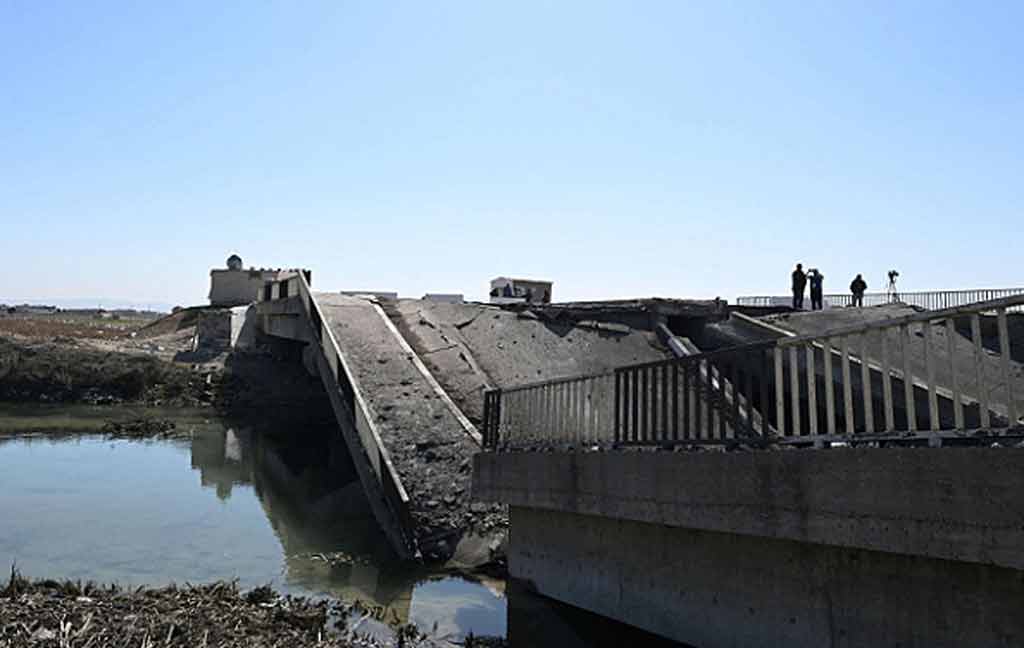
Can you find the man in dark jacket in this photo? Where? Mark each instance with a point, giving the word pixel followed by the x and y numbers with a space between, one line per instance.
pixel 817 286
pixel 799 283
pixel 857 287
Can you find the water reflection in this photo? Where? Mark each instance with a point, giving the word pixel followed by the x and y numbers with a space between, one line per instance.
pixel 279 508
pixel 315 504
pixel 282 508
pixel 331 544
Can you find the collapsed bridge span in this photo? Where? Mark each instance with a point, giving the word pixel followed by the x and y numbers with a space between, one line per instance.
pixel 412 436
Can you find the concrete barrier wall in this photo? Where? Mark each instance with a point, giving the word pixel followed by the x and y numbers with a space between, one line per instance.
pixel 284 318
pixel 842 547
pixel 719 589
pixel 368 466
pixel 213 330
pixel 959 504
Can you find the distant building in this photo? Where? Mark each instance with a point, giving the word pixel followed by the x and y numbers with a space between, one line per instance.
pixel 33 309
pixel 506 290
pixel 236 286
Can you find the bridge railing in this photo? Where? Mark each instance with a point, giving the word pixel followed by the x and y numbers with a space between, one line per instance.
pixel 928 300
pixel 706 398
pixel 571 410
pixel 927 376
pixel 335 373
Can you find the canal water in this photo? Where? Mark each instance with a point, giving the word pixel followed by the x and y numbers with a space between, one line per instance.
pixel 279 507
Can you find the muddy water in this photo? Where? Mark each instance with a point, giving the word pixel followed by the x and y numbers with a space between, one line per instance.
pixel 282 507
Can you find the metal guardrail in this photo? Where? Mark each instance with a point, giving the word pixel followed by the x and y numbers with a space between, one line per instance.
pixel 355 407
pixel 572 410
pixel 929 300
pixel 909 383
pixel 893 380
pixel 706 398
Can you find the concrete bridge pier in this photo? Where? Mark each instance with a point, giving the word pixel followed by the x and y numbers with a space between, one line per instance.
pixel 844 547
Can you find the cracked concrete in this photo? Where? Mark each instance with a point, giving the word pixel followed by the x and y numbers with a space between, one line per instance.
pixel 473 347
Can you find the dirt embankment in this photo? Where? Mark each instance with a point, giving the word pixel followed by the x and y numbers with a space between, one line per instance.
pixel 57 372
pixel 80 360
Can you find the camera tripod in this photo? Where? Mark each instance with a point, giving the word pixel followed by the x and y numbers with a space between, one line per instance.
pixel 892 295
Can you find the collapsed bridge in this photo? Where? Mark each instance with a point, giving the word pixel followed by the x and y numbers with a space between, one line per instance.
pixel 418 386
pixel 563 413
pixel 406 380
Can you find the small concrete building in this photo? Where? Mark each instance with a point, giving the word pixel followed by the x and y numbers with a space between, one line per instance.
pixel 235 286
pixel 505 290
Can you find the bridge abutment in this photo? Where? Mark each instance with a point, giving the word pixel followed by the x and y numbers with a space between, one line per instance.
pixel 723 589
pixel 799 548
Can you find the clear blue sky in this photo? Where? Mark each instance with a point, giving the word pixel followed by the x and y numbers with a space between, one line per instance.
pixel 679 149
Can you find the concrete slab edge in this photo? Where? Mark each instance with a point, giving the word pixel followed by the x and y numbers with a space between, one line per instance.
pixel 390 505
pixel 466 424
pixel 390 521
pixel 753 321
pixel 405 546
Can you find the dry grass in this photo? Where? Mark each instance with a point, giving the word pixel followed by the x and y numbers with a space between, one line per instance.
pixel 68 326
pixel 47 614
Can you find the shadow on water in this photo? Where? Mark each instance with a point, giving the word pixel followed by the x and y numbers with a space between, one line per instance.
pixel 537 621
pixel 331 545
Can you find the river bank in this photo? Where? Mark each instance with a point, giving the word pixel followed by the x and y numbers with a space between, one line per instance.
pixel 139 396
pixel 51 613
pixel 70 371
pixel 263 386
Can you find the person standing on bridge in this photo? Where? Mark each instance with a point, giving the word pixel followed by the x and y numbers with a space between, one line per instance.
pixel 799 283
pixel 816 279
pixel 857 287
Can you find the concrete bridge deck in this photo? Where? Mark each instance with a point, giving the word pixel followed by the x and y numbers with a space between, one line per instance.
pixel 474 347
pixel 428 445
